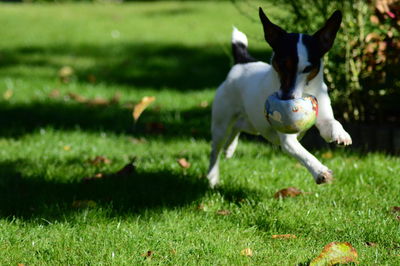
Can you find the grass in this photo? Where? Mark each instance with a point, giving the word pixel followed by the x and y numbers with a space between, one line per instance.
pixel 177 52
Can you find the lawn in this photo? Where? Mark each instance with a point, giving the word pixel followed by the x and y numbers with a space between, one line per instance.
pixel 59 206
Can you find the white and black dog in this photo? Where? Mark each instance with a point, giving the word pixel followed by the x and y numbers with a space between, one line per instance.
pixel 296 69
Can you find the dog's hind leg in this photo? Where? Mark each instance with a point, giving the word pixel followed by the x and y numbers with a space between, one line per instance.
pixel 241 125
pixel 232 142
pixel 223 119
pixel 220 135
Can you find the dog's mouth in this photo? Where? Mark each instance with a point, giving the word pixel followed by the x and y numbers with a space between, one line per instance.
pixel 285 96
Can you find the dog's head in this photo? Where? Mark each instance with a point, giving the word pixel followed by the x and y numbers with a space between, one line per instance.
pixel 297 57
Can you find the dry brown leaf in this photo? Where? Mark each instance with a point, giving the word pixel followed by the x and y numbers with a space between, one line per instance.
pixel 246 252
pixel 204 104
pixel 65 73
pixel 183 163
pixel 284 236
pixel 55 94
pixel 200 207
pixel 95 177
pixel 370 244
pixel 139 108
pixel 223 212
pixel 147 254
pixel 138 140
pixel 100 160
pixel 98 102
pixel 396 209
pixel 288 192
pixel 77 97
pixel 335 253
pixel 8 94
pixel 327 155
pixel 83 204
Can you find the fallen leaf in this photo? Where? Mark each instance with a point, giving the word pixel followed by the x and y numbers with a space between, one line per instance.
pixel 21 264
pixel 334 253
pixel 97 102
pixel 96 176
pixel 83 204
pixel 173 251
pixel 200 207
pixel 65 73
pixel 8 94
pixel 147 254
pixel 246 252
pixel 139 108
pixel 77 97
pixel 128 169
pixel 284 236
pixel 327 155
pixel 370 244
pixel 396 209
pixel 138 140
pixel 288 192
pixel 203 104
pixel 67 148
pixel 183 163
pixel 223 212
pixel 100 160
pixel 54 94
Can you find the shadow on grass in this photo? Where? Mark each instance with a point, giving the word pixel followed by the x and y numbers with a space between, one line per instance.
pixel 20 119
pixel 132 193
pixel 34 197
pixel 140 65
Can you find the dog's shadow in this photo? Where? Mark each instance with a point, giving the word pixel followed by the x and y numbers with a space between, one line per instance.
pixel 124 194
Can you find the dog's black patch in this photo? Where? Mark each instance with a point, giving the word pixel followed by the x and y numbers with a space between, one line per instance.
pixel 240 54
pixel 314 56
pixel 285 62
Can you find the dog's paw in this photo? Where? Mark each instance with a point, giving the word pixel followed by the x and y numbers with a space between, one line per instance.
pixel 333 131
pixel 213 179
pixel 324 177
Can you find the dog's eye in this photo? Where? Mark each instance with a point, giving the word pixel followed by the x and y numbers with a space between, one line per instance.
pixel 307 69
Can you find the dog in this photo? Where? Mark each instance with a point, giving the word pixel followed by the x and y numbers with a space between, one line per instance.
pixel 296 69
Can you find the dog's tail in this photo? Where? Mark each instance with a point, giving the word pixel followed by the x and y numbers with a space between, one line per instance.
pixel 239 48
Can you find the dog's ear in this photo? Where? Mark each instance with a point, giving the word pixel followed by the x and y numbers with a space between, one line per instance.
pixel 272 32
pixel 327 34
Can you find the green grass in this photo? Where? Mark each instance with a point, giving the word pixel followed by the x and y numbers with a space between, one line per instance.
pixel 178 52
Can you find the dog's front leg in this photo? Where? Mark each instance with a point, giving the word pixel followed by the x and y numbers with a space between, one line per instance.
pixel 330 129
pixel 292 146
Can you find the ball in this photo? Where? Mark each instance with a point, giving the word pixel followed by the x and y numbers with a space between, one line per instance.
pixel 291 116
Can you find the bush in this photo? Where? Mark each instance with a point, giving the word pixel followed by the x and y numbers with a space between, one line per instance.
pixel 366 85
